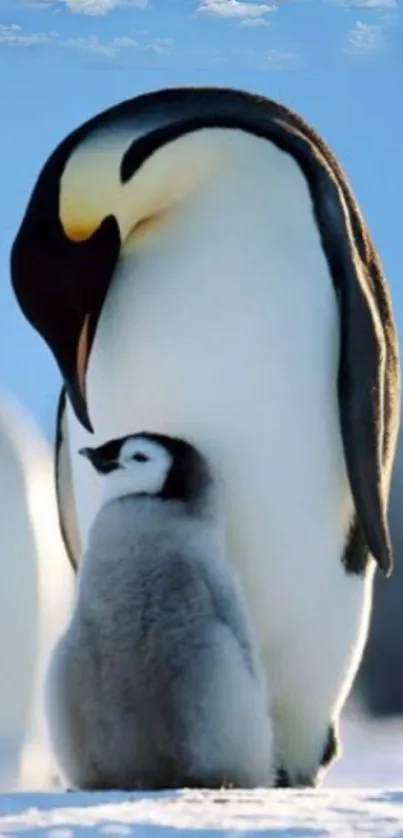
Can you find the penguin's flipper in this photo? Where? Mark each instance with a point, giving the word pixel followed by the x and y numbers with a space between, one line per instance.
pixel 369 371
pixel 369 400
pixel 64 485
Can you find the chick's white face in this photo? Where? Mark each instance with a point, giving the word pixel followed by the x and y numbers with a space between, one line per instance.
pixel 143 467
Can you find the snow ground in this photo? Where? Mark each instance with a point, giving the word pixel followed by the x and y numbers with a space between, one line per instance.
pixel 335 813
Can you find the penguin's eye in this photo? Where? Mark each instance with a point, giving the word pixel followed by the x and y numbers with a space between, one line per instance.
pixel 140 458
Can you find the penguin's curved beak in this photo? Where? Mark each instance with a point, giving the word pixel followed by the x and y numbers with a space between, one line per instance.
pixel 61 285
pixel 99 460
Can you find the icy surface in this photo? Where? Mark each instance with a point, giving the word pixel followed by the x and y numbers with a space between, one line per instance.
pixel 338 813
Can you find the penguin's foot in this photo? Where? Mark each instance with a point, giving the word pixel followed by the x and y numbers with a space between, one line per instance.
pixel 285 779
pixel 332 747
pixel 282 780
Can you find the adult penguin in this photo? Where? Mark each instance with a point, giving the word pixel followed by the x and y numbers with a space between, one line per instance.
pixel 197 264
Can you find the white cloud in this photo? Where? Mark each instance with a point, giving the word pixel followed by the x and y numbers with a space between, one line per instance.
pixel 253 22
pixel 93 44
pixel 385 6
pixel 111 48
pixel 91 7
pixel 270 59
pixel 160 45
pixel 88 7
pixel 14 36
pixel 370 5
pixel 275 59
pixel 90 44
pixel 365 38
pixel 124 41
pixel 233 9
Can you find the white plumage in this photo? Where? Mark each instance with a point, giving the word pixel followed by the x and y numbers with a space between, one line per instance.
pixel 220 363
pixel 211 277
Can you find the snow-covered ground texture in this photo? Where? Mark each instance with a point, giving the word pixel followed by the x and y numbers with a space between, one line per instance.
pixel 299 814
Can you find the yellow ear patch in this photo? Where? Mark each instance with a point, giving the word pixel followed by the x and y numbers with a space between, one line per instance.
pixel 90 187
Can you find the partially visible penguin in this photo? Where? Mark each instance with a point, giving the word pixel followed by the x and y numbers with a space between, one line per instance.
pixel 198 265
pixel 157 681
pixel 36 586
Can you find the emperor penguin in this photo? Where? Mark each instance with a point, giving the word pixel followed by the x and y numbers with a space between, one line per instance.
pixel 157 681
pixel 198 265
pixel 36 585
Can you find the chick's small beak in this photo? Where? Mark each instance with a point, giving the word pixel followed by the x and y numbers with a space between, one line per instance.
pixel 86 452
pixel 101 462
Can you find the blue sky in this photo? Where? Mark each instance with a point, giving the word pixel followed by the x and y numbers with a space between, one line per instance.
pixel 340 63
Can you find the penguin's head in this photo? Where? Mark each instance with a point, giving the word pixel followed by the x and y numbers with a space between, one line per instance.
pixel 151 465
pixel 112 186
pixel 103 191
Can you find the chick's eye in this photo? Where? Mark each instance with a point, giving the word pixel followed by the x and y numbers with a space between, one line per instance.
pixel 140 458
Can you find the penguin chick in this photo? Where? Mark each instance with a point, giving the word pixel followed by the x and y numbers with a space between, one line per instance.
pixel 157 682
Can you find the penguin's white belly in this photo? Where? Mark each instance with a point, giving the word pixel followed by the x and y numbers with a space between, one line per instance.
pixel 223 328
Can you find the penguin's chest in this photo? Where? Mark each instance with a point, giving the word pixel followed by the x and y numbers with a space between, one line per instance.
pixel 224 330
